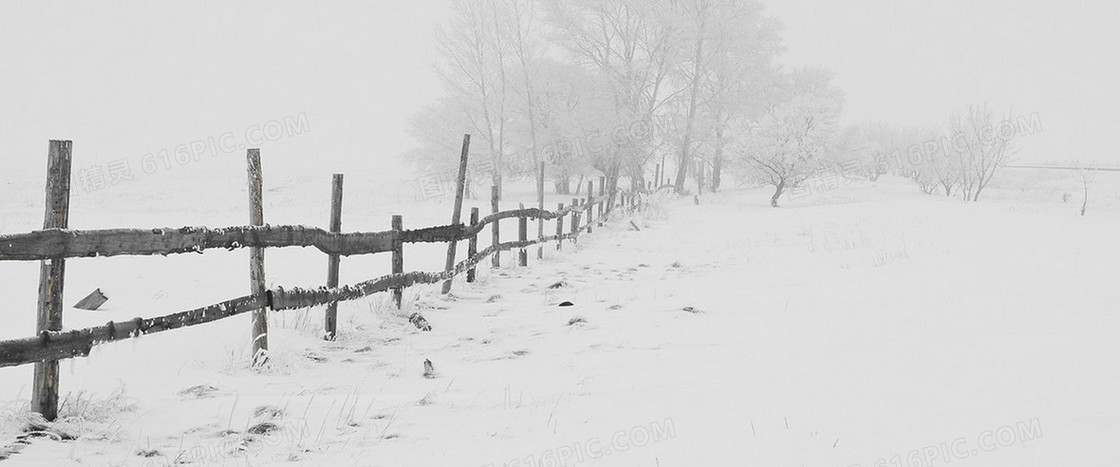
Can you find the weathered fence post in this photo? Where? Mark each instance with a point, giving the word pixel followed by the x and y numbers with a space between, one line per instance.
pixel 494 230
pixel 657 172
pixel 256 257
pixel 523 236
pixel 457 214
pixel 602 194
pixel 575 220
pixel 330 320
pixel 472 245
pixel 590 203
pixel 540 205
pixel 52 274
pixel 559 227
pixel 398 256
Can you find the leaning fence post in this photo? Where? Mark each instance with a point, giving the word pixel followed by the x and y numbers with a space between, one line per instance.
pixel 456 215
pixel 559 226
pixel 472 245
pixel 523 236
pixel 256 257
pixel 398 256
pixel 52 273
pixel 494 231
pixel 590 203
pixel 330 320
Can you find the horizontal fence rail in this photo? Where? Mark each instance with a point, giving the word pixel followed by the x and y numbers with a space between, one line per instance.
pixel 57 241
pixel 56 345
pixel 64 243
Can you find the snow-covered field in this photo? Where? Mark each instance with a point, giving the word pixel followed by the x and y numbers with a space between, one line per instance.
pixel 869 325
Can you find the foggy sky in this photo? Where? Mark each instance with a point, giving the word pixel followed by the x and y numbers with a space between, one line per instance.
pixel 124 79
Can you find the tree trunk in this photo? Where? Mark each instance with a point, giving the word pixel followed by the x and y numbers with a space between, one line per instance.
pixel 717 161
pixel 777 193
pixel 684 163
pixel 1085 200
pixel 563 184
pixel 700 178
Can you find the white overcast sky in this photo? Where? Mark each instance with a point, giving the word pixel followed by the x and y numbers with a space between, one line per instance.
pixel 127 78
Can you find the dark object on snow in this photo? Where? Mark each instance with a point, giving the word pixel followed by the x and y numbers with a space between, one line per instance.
pixel 263 428
pixel 92 302
pixel 417 320
pixel 429 369
pixel 690 310
pixel 575 321
pixel 558 285
pixel 635 226
pixel 567 304
pixel 696 199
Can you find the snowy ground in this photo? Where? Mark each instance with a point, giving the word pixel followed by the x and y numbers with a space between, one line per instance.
pixel 869 325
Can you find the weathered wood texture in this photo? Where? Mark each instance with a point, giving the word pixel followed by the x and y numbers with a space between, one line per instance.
pixel 330 318
pixel 457 213
pixel 297 298
pixel 575 218
pixel 52 345
pixel 63 243
pixel 49 243
pixel 589 204
pixel 398 258
pixel 602 194
pixel 92 302
pixel 522 236
pixel 57 344
pixel 259 332
pixel 472 244
pixel 559 227
pixel 52 274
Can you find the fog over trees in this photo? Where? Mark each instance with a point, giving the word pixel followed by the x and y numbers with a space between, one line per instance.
pixel 688 91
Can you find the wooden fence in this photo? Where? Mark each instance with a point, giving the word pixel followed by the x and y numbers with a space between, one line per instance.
pixel 56 242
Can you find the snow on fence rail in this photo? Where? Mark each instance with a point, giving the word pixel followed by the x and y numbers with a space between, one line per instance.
pixel 55 242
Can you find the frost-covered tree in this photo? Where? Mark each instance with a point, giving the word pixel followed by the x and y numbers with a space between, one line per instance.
pixel 474 71
pixel 786 145
pixel 726 73
pixel 981 145
pixel 631 46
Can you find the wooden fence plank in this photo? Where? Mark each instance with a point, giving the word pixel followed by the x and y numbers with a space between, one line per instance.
pixel 522 236
pixel 559 227
pixel 52 274
pixel 458 212
pixel 398 258
pixel 472 244
pixel 49 243
pixel 590 203
pixel 330 318
pixel 256 257
pixel 53 345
